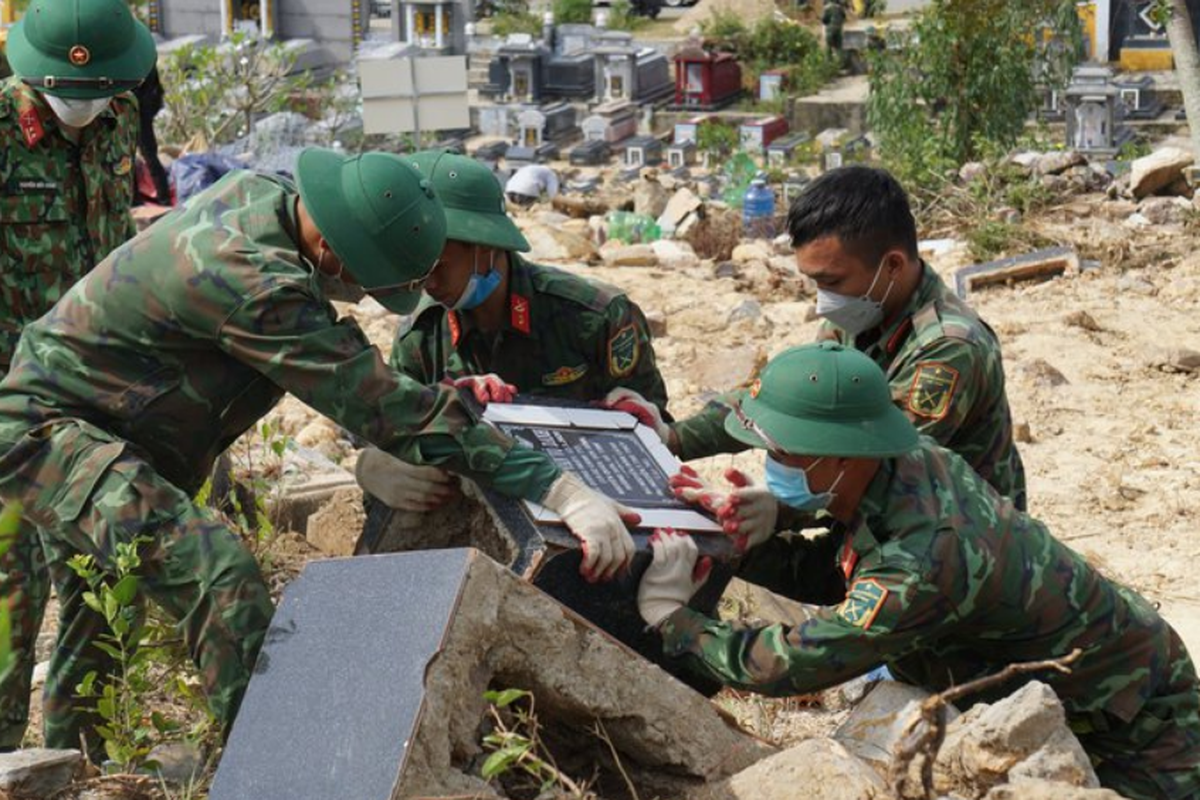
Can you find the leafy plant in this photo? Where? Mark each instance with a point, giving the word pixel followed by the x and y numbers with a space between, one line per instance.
pixel 213 94
pixel 968 74
pixel 622 17
pixel 572 11
pixel 715 139
pixel 506 23
pixel 120 700
pixel 516 747
pixel 772 45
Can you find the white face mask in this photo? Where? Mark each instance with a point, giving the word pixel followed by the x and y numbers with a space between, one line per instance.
pixel 76 113
pixel 854 314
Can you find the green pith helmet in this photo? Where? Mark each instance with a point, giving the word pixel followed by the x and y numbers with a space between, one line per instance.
pixel 473 199
pixel 379 216
pixel 823 400
pixel 81 49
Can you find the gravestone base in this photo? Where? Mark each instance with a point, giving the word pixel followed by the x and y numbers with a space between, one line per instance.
pixel 371 685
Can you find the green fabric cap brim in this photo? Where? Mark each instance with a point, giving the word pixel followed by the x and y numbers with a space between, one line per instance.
pixel 887 435
pixel 134 64
pixel 488 230
pixel 319 177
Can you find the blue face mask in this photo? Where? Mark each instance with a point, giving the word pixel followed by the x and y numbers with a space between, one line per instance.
pixel 478 288
pixel 789 485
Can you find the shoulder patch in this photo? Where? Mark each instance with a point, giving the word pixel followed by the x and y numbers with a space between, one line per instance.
pixel 863 601
pixel 932 390
pixel 623 351
pixel 564 375
pixel 592 295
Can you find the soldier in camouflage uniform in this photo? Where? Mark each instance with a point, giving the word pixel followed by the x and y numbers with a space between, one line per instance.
pixel 496 324
pixel 927 569
pixel 123 395
pixel 68 132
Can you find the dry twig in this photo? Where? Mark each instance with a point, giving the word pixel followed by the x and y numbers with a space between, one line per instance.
pixel 932 716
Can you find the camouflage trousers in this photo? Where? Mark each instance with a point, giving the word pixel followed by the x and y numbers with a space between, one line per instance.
pixel 1156 755
pixel 25 588
pixel 86 491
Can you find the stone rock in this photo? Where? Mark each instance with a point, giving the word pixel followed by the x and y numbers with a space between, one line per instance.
pixel 673 254
pixel 657 321
pixel 649 198
pixel 746 310
pixel 1025 160
pixel 177 762
pixel 1157 171
pixel 752 251
pixel 1022 433
pixel 554 244
pixel 1174 359
pixel 725 269
pixel 1082 319
pixel 784 264
pixel 615 254
pixel 1165 210
pixel 972 170
pixel 1058 162
pixel 1042 373
pixel 335 527
pixel 681 204
pixel 318 432
pixel 873 728
pixel 1117 209
pixel 724 370
pixel 1131 282
pixel 38 772
pixel 1025 733
pixel 1048 790
pixel 816 769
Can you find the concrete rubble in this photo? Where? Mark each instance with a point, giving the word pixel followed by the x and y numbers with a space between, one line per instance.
pixel 38 772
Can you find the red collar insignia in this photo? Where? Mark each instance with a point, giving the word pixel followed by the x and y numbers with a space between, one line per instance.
pixel 455 327
pixel 31 126
pixel 849 556
pixel 519 306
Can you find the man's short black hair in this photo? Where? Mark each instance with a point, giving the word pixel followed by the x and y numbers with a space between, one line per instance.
pixel 865 207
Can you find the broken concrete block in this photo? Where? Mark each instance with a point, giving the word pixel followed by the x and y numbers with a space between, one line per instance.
pixel 334 528
pixel 649 198
pixel 1159 170
pixel 38 772
pixel 816 769
pixel 1058 162
pixel 1038 265
pixel 877 722
pixel 681 204
pixel 371 685
pixel 616 254
pixel 1048 790
pixel 672 254
pixel 1165 210
pixel 1025 732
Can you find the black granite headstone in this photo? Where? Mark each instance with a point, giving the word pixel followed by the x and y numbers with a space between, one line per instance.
pixel 342 672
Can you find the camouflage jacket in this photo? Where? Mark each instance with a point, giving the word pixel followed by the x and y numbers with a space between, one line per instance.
pixel 63 206
pixel 946 373
pixel 564 337
pixel 186 335
pixel 945 581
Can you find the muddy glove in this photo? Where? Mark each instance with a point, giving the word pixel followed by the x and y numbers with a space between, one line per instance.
pixel 598 522
pixel 749 513
pixel 629 401
pixel 672 577
pixel 401 485
pixel 489 388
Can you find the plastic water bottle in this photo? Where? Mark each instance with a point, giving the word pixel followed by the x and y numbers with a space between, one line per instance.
pixel 758 210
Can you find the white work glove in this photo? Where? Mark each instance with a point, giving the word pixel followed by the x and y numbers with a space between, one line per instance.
pixel 629 401
pixel 401 485
pixel 489 388
pixel 748 512
pixel 598 522
pixel 673 577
